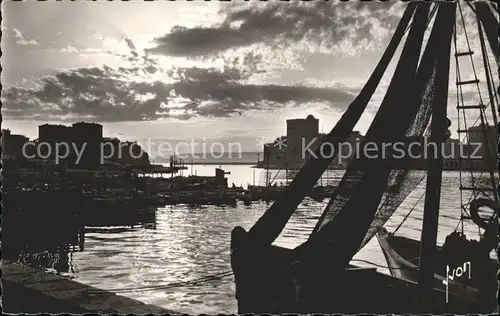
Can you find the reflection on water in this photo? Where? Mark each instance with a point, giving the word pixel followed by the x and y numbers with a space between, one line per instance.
pixel 192 243
pixel 59 261
pixel 34 239
pixel 184 243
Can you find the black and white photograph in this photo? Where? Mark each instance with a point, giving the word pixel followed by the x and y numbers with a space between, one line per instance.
pixel 250 157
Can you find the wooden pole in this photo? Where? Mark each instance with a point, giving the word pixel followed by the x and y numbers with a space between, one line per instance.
pixel 435 162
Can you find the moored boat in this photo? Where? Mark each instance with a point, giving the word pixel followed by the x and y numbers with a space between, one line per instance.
pixel 403 255
pixel 316 276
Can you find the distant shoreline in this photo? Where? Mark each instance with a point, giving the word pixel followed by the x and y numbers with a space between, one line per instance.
pixel 221 163
pixel 274 168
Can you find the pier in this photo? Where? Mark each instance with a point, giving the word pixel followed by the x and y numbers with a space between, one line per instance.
pixel 28 290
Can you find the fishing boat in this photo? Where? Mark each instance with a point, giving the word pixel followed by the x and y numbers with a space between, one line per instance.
pixel 403 254
pixel 318 275
pixel 321 192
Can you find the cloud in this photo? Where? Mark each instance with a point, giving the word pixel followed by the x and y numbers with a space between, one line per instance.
pixel 106 94
pixel 123 49
pixel 131 45
pixel 21 40
pixel 145 91
pixel 83 51
pixel 330 24
pixel 17 34
pixel 69 49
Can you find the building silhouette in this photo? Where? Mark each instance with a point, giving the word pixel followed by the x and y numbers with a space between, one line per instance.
pixel 90 136
pixel 288 152
pixel 298 133
pixel 291 151
pixel 95 149
pixel 12 145
pixel 81 136
pixel 486 136
pixel 275 153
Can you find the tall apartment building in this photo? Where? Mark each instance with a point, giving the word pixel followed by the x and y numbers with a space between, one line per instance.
pixel 298 133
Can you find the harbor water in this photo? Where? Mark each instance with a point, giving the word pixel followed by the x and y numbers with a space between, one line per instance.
pixel 186 243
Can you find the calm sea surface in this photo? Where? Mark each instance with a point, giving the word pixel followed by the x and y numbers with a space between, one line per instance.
pixel 190 243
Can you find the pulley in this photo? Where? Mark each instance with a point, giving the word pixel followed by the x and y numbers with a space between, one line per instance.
pixel 474 211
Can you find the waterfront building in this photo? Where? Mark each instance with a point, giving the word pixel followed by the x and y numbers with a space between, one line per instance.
pixel 110 147
pixel 299 132
pixel 286 152
pixel 133 154
pixel 128 153
pixel 349 149
pixel 54 133
pixel 79 134
pixel 486 137
pixel 50 135
pixel 275 153
pixel 12 145
pixel 90 136
pixel 302 138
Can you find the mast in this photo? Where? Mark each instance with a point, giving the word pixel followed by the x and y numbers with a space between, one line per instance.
pixel 253 176
pixel 431 211
pixel 487 69
pixel 493 98
pixel 286 169
pixel 267 157
pixel 286 175
pixel 486 140
pixel 435 167
pixel 271 223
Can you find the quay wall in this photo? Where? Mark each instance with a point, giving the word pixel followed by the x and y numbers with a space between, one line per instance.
pixel 28 290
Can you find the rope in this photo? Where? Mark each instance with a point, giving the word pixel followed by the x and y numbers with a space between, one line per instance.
pixel 431 15
pixel 411 210
pixel 217 276
pixel 382 266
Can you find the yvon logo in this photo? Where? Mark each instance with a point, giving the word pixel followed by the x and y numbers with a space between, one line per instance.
pixel 457 272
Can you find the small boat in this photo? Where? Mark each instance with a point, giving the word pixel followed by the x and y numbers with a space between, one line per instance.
pixel 460 266
pixel 266 193
pixel 403 255
pixel 321 192
pixel 317 276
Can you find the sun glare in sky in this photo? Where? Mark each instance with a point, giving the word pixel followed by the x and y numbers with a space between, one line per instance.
pixel 167 68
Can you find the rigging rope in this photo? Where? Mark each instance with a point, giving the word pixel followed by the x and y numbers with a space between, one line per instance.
pixel 431 15
pixel 482 116
pixel 198 281
pixel 268 184
pixel 411 210
pixel 382 266
pixel 271 223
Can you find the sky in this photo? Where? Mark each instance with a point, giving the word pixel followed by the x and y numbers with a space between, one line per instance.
pixel 217 71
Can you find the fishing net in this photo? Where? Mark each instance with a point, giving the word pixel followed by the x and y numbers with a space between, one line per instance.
pixel 357 169
pixel 490 24
pixel 270 225
pixel 410 99
pixel 408 180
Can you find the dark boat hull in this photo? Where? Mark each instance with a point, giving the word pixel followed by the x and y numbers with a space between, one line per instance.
pixel 402 256
pixel 267 283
